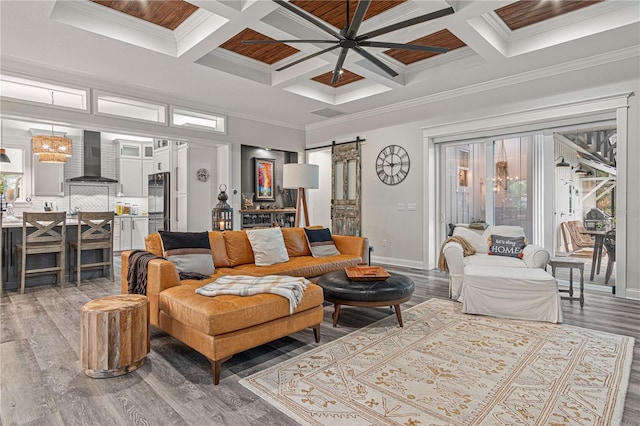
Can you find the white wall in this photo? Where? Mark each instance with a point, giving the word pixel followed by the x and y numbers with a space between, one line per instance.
pixel 319 200
pixel 405 231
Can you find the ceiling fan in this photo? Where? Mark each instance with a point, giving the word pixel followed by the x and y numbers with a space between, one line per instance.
pixel 348 37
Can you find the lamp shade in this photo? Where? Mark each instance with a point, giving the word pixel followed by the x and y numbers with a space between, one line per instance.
pixel 52 149
pixel 562 163
pixel 300 176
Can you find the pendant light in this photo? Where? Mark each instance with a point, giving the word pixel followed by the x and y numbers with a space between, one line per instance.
pixel 4 158
pixel 51 149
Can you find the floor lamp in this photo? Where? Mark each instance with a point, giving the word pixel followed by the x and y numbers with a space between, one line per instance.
pixel 300 177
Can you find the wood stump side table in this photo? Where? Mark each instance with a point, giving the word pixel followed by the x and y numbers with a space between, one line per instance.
pixel 114 335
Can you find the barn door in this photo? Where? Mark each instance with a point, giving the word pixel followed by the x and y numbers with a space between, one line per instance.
pixel 345 189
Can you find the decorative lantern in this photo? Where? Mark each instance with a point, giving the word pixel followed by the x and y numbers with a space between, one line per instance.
pixel 222 214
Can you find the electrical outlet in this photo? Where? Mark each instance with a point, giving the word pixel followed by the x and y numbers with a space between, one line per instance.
pixel 384 243
pixel 400 207
pixel 411 207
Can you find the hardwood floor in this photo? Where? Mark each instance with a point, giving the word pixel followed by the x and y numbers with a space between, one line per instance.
pixel 42 382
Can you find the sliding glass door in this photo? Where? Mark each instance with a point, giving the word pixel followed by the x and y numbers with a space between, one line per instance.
pixel 490 180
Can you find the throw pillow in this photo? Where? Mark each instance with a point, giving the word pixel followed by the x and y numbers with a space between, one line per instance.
pixel 500 245
pixel 475 238
pixel 320 242
pixel 268 246
pixel 189 251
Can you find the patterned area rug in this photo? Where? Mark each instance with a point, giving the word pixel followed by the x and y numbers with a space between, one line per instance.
pixel 444 367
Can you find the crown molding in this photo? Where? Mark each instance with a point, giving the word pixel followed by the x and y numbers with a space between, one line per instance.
pixel 563 68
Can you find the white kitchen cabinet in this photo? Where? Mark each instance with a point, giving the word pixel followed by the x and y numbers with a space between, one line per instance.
pixel 162 161
pixel 130 160
pixel 117 223
pixel 129 149
pixel 48 178
pixel 182 169
pixel 182 213
pixel 129 177
pixel 129 232
pixel 139 230
pixel 147 169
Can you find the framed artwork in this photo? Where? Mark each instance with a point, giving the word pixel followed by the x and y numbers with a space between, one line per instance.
pixel 265 188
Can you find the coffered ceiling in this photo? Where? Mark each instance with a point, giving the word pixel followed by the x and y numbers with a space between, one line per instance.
pixel 194 50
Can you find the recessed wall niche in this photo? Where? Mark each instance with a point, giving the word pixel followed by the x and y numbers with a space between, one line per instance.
pixel 283 198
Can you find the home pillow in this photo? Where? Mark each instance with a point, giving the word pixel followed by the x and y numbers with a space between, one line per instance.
pixel 189 251
pixel 320 242
pixel 268 246
pixel 500 245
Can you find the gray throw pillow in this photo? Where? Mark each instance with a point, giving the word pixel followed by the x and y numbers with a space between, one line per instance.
pixel 507 246
pixel 320 242
pixel 189 251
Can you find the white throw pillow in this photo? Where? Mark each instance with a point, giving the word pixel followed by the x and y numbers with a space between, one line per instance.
pixel 473 237
pixel 268 246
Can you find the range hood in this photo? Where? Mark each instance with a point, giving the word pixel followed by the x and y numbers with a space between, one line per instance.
pixel 92 161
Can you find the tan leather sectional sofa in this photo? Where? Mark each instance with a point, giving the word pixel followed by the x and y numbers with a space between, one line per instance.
pixel 221 326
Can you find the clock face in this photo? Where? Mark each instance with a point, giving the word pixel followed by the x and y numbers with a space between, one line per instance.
pixel 392 164
pixel 202 175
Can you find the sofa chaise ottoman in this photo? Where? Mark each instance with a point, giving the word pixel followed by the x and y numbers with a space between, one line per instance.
pixel 503 286
pixel 221 326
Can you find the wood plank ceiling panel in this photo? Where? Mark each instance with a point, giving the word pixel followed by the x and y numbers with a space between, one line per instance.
pixel 527 12
pixel 442 38
pixel 334 12
pixel 267 53
pixel 346 78
pixel 166 13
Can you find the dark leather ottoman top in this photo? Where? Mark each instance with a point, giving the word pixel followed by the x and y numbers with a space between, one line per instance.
pixel 337 286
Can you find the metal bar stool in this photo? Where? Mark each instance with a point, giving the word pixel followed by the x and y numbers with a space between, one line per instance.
pixel 42 233
pixel 97 235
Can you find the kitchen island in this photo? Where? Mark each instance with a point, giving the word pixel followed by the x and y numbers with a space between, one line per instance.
pixel 10 274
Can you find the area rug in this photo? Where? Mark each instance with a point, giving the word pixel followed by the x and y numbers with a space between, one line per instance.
pixel 447 368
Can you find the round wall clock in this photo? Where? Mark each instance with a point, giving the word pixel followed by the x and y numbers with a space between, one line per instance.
pixel 392 164
pixel 202 175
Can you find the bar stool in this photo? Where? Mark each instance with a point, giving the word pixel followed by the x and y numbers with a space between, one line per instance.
pixel 42 233
pixel 97 235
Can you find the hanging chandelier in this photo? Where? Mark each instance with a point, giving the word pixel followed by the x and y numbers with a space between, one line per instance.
pixel 52 149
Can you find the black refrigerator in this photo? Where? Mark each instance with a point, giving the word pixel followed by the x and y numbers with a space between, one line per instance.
pixel 159 202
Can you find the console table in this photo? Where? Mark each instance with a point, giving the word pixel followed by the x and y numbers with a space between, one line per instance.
pixel 259 218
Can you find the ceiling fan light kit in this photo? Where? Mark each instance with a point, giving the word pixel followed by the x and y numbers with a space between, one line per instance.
pixel 348 37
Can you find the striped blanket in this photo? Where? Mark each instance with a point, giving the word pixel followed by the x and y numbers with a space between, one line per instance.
pixel 291 288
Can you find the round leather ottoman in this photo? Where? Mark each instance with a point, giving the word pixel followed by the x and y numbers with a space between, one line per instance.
pixel 340 290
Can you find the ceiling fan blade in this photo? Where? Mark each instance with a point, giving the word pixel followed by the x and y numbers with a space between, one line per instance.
pixel 402 46
pixel 358 17
pixel 407 23
pixel 377 62
pixel 286 41
pixel 338 68
pixel 313 55
pixel 304 15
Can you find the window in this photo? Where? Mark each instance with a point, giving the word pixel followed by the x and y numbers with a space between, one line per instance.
pixel 109 104
pixel 11 175
pixel 33 91
pixel 490 180
pixel 185 118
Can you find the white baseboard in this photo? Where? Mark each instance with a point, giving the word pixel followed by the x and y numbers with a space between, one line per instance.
pixel 633 294
pixel 397 262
